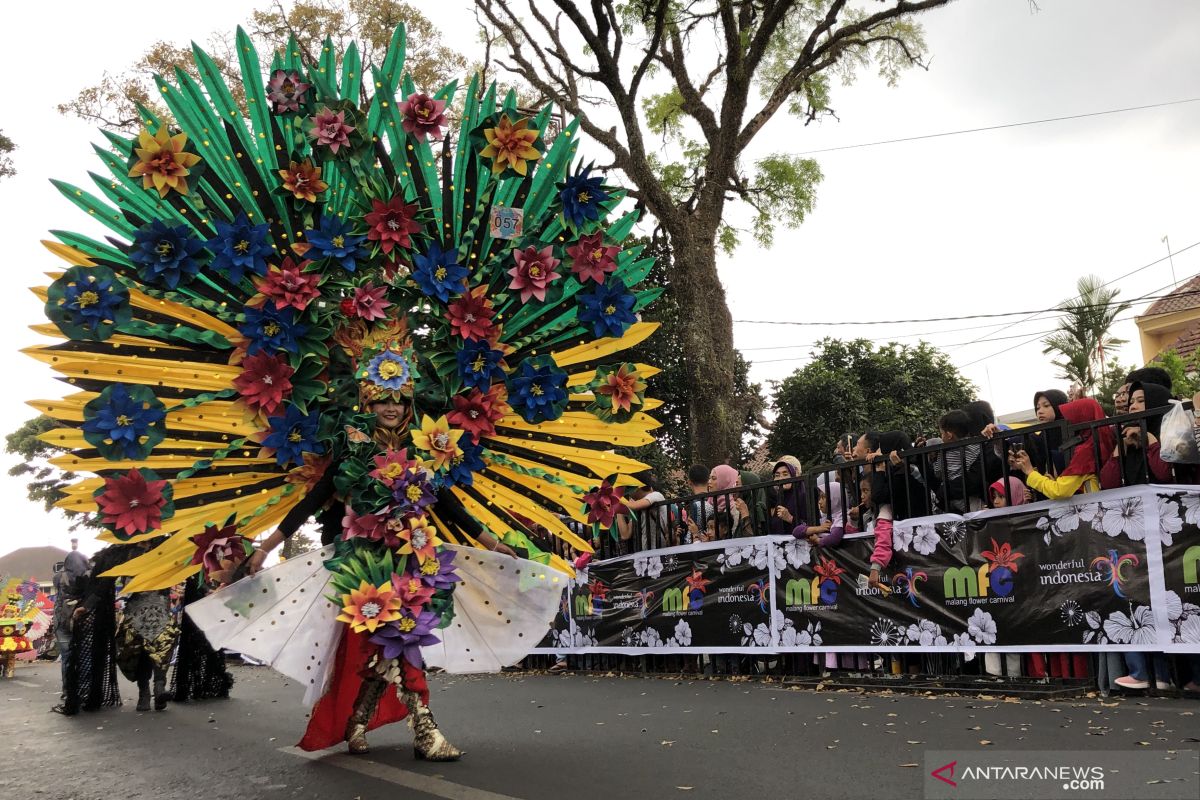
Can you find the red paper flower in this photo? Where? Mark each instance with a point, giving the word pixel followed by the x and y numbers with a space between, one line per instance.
pixel 392 223
pixel 534 272
pixel 310 473
pixel 369 302
pixel 371 527
pixel 220 550
pixel 289 285
pixel 603 503
pixel 477 413
pixel 265 382
pixel 391 465
pixel 471 315
pixel 412 591
pixel 132 504
pixel 592 258
pixel 424 117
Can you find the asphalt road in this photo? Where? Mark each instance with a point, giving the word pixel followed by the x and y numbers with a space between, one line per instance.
pixel 538 737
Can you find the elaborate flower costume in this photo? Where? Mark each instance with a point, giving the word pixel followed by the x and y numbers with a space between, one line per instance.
pixel 18 615
pixel 278 266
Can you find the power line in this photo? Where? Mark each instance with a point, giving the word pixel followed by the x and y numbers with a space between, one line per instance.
pixel 999 127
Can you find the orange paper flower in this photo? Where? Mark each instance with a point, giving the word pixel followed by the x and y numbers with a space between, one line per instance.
pixel 622 387
pixel 510 145
pixel 303 180
pixel 368 607
pixel 162 162
pixel 418 537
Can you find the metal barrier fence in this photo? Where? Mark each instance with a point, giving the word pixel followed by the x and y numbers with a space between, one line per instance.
pixel 953 477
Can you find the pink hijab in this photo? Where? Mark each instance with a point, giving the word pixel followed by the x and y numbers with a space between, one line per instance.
pixel 1016 490
pixel 725 477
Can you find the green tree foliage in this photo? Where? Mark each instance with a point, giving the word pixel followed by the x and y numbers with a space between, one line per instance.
pixel 854 386
pixel 7 170
pixel 113 102
pixel 44 482
pixel 1184 371
pixel 692 85
pixel 1082 340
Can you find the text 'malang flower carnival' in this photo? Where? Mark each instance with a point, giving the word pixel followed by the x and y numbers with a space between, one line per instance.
pixel 131 504
pixel 332 239
pixel 479 364
pixel 166 255
pixel 438 273
pixel 329 129
pixel 392 223
pixel 581 196
pixel 609 308
pixel 289 285
pixel 538 390
pixel 534 272
pixel 423 116
pixel 240 247
pixel 162 163
pixel 510 145
pixel 265 382
pixel 303 180
pixel 591 258
pixel 470 316
pixel 286 91
pixel 269 329
pixel 292 434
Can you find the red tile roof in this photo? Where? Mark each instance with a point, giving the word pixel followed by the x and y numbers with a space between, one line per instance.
pixel 1188 341
pixel 1177 300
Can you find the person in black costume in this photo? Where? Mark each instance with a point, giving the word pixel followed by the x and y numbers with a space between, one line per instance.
pixel 200 672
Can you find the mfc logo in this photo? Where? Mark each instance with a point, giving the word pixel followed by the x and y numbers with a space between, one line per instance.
pixel 803 592
pixel 1191 564
pixel 674 599
pixel 997 574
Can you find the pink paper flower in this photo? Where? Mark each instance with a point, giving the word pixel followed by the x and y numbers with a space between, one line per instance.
pixel 329 128
pixel 534 272
pixel 471 315
pixel 286 91
pixel 370 302
pixel 424 117
pixel 592 258
pixel 289 285
pixel 391 465
pixel 371 527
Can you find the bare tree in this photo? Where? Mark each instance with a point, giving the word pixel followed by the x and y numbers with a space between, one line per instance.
pixel 704 77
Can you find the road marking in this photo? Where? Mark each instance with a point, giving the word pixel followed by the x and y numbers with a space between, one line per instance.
pixel 428 784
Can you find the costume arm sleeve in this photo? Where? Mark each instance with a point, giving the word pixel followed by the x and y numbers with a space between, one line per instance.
pixel 450 509
pixel 316 498
pixel 1056 488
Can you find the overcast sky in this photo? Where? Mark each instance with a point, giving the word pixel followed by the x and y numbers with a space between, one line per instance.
pixel 972 224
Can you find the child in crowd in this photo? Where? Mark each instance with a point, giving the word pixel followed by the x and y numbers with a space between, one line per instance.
pixel 1015 490
pixel 953 473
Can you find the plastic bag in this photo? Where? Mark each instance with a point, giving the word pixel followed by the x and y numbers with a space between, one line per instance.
pixel 1177 439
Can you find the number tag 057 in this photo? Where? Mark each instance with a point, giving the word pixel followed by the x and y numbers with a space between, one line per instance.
pixel 506 222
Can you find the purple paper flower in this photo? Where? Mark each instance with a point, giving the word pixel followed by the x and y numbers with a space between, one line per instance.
pixel 413 493
pixel 439 572
pixel 407 635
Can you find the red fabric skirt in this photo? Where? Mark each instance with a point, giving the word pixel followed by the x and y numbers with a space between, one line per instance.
pixel 327 725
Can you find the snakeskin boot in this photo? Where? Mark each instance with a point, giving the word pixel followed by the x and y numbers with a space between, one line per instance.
pixel 364 708
pixel 428 742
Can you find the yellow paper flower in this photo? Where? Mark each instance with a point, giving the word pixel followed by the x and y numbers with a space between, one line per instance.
pixel 437 438
pixel 162 162
pixel 510 145
pixel 419 538
pixel 368 607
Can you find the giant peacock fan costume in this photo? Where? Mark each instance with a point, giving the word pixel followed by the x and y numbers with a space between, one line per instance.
pixel 259 251
pixel 341 238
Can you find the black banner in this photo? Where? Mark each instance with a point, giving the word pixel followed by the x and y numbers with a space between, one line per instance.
pixel 1115 570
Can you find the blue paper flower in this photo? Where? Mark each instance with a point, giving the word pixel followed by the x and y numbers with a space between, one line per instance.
pixel 479 365
pixel 272 329
pixel 392 377
pixel 438 273
pixel 581 196
pixel 239 247
pixel 538 390
pixel 609 308
pixel 293 433
pixel 94 298
pixel 166 255
pixel 332 239
pixel 463 468
pixel 124 421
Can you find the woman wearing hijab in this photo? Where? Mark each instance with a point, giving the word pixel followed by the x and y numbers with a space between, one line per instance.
pixel 1045 448
pixel 1014 494
pixel 733 515
pixel 1080 473
pixel 1132 468
pixel 788 506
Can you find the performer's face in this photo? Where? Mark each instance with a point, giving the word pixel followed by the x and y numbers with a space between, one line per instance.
pixel 389 414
